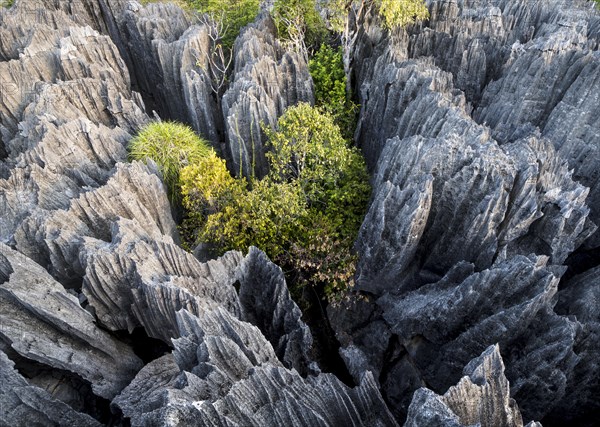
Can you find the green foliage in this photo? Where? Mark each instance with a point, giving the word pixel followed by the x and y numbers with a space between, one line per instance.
pixel 327 71
pixel 304 214
pixel 268 216
pixel 297 18
pixel 232 16
pixel 394 13
pixel 308 148
pixel 399 13
pixel 6 3
pixel 171 146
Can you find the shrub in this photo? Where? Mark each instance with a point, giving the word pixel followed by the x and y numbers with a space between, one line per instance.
pixel 305 214
pixel 269 217
pixel 327 71
pixel 299 19
pixel 399 13
pixel 172 146
pixel 308 148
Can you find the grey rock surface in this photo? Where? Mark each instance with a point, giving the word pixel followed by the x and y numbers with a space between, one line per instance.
pixel 267 79
pixel 266 303
pixel 165 39
pixel 224 371
pixel 480 127
pixel 511 195
pixel 26 405
pixel 42 322
pixel 481 397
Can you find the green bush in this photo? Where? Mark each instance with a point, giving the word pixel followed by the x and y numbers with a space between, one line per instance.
pixel 327 71
pixel 172 146
pixel 293 16
pixel 308 148
pixel 305 214
pixel 399 13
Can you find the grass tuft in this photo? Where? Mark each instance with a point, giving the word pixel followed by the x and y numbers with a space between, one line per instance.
pixel 172 146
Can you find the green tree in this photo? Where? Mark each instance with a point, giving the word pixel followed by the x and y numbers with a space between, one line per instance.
pixel 172 146
pixel 307 147
pixel 305 214
pixel 299 22
pixel 327 71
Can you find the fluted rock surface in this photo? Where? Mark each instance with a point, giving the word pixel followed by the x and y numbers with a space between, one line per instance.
pixel 43 322
pixel 26 405
pixel 474 213
pixel 93 247
pixel 224 371
pixel 170 60
pixel 266 302
pixel 463 201
pixel 267 80
pixel 481 397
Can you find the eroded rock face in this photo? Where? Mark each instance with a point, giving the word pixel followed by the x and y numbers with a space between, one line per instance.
pixel 481 397
pixel 223 370
pixel 266 302
pixel 170 63
pixel 42 322
pixel 476 85
pixel 474 213
pixel 267 80
pixel 24 404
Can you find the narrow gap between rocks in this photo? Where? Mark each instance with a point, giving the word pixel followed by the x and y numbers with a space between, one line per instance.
pixel 66 387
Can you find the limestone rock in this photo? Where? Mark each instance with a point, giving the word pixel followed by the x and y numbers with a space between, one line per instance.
pixel 163 38
pixel 266 303
pixel 22 404
pixel 481 397
pixel 267 79
pixel 143 280
pixel 43 322
pixel 224 371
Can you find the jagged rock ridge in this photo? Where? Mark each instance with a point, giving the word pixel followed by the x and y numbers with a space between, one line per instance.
pixel 90 252
pixel 475 208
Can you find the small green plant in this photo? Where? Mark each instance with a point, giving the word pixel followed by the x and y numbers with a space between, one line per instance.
pixel 327 71
pixel 172 146
pixel 7 3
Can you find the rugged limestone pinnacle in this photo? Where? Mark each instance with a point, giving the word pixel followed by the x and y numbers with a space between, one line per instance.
pixel 477 276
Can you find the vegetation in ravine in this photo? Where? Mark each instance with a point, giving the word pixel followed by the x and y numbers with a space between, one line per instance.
pixel 327 71
pixel 304 214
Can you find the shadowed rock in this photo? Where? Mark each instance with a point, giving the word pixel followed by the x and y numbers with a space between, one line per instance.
pixel 224 371
pixel 22 404
pixel 163 38
pixel 43 322
pixel 267 304
pixel 488 208
pixel 481 397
